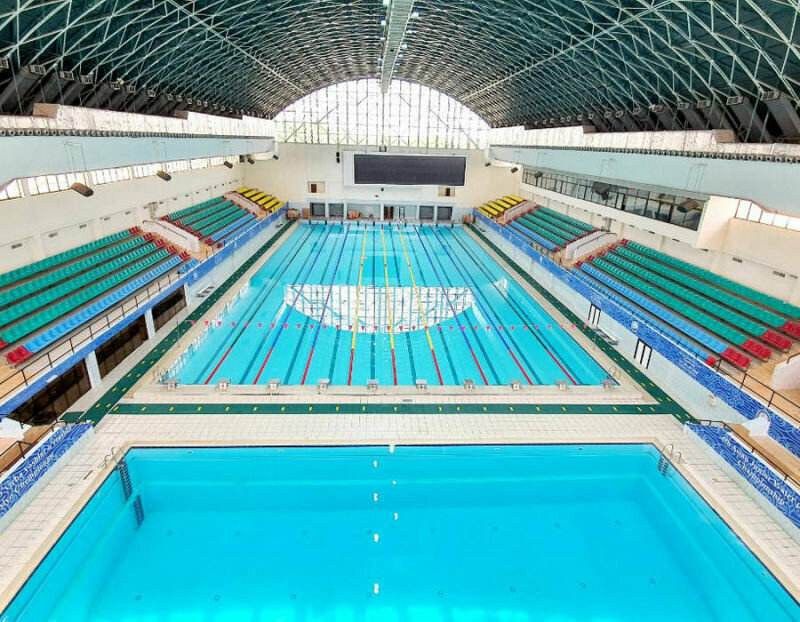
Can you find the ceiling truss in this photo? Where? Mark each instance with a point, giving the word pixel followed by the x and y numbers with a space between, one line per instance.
pixel 616 64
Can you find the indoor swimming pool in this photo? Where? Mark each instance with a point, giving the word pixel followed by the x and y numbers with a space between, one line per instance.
pixel 353 303
pixel 490 533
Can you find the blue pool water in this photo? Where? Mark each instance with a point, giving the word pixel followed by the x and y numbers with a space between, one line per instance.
pixel 354 302
pixel 524 533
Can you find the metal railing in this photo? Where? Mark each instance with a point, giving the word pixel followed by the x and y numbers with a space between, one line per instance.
pixel 21 448
pixel 752 449
pixel 35 368
pixel 760 390
pixel 183 235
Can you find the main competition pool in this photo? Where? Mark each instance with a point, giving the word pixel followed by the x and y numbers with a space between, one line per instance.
pixel 350 303
pixel 457 534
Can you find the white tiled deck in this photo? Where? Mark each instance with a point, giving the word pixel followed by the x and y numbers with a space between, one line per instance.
pixel 27 539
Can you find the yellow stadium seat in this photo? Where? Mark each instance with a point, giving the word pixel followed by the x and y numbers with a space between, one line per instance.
pixel 251 193
pixel 500 209
pixel 492 211
pixel 504 204
pixel 519 199
pixel 270 206
pixel 242 189
pixel 256 197
pixel 511 200
pixel 264 200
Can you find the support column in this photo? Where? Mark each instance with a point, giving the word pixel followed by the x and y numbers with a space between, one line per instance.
pixel 93 369
pixel 148 322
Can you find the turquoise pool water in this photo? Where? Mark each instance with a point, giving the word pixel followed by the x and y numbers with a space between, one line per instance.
pixel 350 303
pixel 460 534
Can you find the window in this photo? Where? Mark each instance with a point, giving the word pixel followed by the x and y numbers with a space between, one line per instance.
pixel 12 190
pixel 336 210
pixel 108 175
pixel 747 210
pixel 426 212
pixel 642 353
pixel 444 212
pixel 177 166
pixel 356 112
pixel 55 398
pixel 120 346
pixel 42 184
pixel 168 308
pixel 676 210
pixel 145 170
pixel 318 210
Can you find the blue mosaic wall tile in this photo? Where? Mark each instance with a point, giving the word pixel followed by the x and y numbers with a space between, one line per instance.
pixel 767 482
pixel 780 429
pixel 25 476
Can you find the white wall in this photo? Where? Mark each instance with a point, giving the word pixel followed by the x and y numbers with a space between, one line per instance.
pixel 50 223
pixel 288 177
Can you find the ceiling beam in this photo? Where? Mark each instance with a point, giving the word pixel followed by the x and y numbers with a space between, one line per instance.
pixel 397 16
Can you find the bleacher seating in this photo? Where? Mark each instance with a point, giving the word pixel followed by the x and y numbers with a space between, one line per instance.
pixel 45 300
pixel 608 286
pixel 496 208
pixel 710 315
pixel 721 315
pixel 549 228
pixel 61 258
pixel 266 201
pixel 48 296
pixel 71 323
pixel 213 221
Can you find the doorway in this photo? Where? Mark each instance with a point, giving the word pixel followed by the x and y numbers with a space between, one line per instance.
pixel 388 212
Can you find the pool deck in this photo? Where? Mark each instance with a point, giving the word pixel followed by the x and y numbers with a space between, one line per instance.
pixel 26 540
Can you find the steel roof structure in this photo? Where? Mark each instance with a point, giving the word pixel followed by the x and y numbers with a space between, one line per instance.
pixel 619 64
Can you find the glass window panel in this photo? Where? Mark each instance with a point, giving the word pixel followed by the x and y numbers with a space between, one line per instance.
pixel 356 112
pixel 780 220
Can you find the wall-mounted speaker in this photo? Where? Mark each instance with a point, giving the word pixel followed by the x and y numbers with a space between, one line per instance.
pixel 275 156
pixel 82 189
pixel 228 164
pixel 514 169
pixel 164 175
pixel 250 160
pixel 338 157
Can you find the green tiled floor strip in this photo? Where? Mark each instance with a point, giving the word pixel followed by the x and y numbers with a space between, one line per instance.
pixel 418 409
pixel 109 403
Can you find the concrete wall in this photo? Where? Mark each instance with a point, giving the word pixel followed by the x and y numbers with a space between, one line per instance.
pixel 299 164
pixel 39 226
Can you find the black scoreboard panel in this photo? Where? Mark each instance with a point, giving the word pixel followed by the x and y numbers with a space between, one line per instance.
pixel 409 170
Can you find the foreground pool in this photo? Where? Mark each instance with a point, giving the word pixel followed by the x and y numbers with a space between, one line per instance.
pixel 512 533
